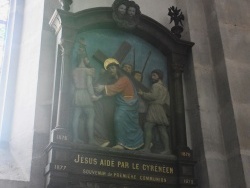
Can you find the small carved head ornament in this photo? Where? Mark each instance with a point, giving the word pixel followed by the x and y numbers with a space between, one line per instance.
pixel 126 13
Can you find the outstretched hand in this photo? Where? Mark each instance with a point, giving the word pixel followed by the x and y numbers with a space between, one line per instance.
pixel 140 92
pixel 99 88
pixel 96 98
pixel 91 72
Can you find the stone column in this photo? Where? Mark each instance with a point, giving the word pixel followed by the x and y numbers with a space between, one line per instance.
pixel 177 66
pixel 64 101
pixel 63 24
pixel 185 155
pixel 58 151
pixel 65 96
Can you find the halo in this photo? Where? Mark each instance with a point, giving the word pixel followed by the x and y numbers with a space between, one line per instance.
pixel 109 61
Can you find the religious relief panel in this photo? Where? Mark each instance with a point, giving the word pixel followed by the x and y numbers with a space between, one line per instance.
pixel 111 108
pixel 120 93
pixel 119 118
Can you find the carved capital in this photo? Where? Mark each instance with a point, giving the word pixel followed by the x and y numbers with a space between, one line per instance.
pixel 65 4
pixel 178 67
pixel 178 62
pixel 56 22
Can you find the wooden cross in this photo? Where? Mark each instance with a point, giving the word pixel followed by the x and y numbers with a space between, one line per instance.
pixel 120 55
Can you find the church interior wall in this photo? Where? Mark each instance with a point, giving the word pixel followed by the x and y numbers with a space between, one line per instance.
pixel 24 151
pixel 26 87
pixel 234 27
pixel 202 104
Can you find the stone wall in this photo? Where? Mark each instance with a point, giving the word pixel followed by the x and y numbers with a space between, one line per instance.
pixel 234 27
pixel 219 71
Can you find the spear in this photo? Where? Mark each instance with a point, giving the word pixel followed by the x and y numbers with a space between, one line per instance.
pixel 134 59
pixel 146 62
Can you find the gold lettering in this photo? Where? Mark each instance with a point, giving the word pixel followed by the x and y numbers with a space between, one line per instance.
pixel 160 168
pixel 188 181
pixel 135 166
pixel 94 172
pixel 123 164
pixel 60 167
pixel 156 168
pixel 82 160
pixel 85 160
pixel 105 162
pixel 186 154
pixel 153 179
pixel 62 137
pixel 124 176
pixel 77 160
pixel 170 170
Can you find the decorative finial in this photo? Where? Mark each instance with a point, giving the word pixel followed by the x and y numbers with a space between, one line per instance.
pixel 176 16
pixel 66 4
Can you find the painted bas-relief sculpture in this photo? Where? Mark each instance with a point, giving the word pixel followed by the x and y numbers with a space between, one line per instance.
pixel 128 133
pixel 111 122
pixel 83 95
pixel 158 101
pixel 113 106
